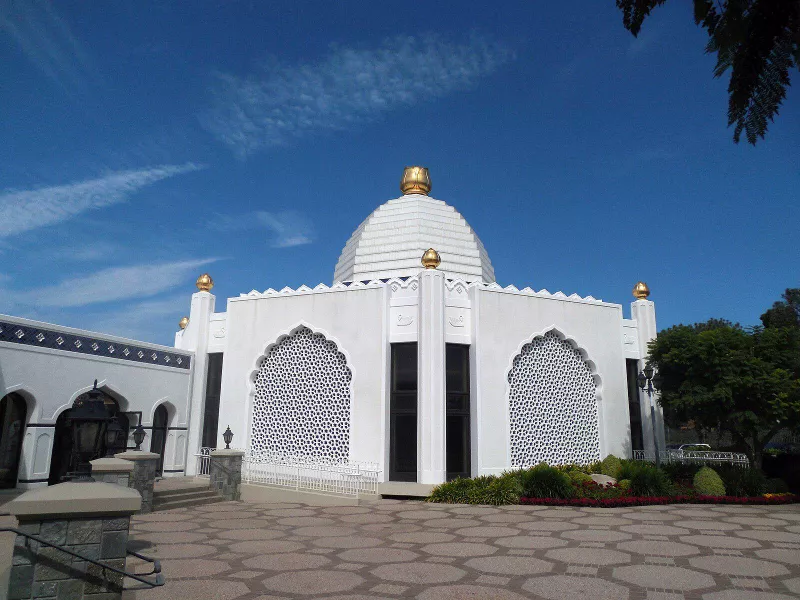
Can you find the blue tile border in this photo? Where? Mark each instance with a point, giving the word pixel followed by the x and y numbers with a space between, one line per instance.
pixel 41 337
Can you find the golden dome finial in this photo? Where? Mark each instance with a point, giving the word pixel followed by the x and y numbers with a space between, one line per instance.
pixel 183 322
pixel 431 259
pixel 416 180
pixel 204 283
pixel 641 291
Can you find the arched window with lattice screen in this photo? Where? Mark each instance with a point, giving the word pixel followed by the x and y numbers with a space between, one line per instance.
pixel 552 399
pixel 301 405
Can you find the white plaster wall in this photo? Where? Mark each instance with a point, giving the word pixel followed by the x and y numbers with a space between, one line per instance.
pixel 355 319
pixel 504 321
pixel 50 380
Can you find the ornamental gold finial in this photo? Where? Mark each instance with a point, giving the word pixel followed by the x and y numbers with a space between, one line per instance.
pixel 183 322
pixel 641 291
pixel 204 283
pixel 416 180
pixel 431 259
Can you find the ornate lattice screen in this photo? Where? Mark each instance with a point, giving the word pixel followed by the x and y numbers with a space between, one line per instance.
pixel 302 399
pixel 552 405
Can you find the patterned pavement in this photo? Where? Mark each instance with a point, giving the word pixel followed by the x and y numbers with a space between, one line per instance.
pixel 405 549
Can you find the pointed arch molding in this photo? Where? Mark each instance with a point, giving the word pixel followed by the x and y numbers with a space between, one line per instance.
pixel 553 393
pixel 300 396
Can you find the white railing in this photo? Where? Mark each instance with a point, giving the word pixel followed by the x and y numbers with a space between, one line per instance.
pixel 203 460
pixel 694 456
pixel 311 474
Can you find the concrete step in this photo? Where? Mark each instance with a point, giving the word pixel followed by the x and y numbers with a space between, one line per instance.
pixel 184 489
pixel 187 502
pixel 179 498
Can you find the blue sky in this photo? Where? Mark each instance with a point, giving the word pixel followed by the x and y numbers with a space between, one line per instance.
pixel 147 142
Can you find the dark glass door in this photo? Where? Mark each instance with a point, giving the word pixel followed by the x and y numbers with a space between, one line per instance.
pixel 13 411
pixel 457 431
pixel 158 441
pixel 403 413
pixel 211 412
pixel 634 408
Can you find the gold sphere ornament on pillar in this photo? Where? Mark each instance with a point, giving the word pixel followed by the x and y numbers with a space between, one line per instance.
pixel 641 291
pixel 431 259
pixel 183 322
pixel 204 283
pixel 416 180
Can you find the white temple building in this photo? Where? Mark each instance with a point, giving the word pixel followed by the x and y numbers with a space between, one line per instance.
pixel 414 359
pixel 417 360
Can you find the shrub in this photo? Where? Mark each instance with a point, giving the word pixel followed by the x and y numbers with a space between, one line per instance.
pixel 742 482
pixel 495 490
pixel 544 481
pixel 611 466
pixel 708 483
pixel 647 480
pixel 628 467
pixel 624 484
pixel 576 468
pixel 452 492
pixel 681 472
pixel 595 467
pixel 578 477
pixel 776 486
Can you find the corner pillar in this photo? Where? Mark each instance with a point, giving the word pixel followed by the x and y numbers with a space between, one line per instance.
pixel 112 470
pixel 195 339
pixel 225 472
pixel 143 475
pixel 91 519
pixel 644 313
pixel 431 372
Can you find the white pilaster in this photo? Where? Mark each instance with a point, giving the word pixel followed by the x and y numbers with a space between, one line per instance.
pixel 431 382
pixel 644 313
pixel 195 338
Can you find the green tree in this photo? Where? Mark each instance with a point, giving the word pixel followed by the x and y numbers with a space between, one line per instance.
pixel 758 40
pixel 784 313
pixel 746 382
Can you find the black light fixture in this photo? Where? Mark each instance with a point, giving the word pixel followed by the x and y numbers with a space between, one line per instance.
pixel 641 379
pixel 88 421
pixel 115 437
pixel 138 436
pixel 228 437
pixel 645 381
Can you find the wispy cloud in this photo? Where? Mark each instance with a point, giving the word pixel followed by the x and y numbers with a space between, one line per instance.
pixel 289 228
pixel 108 285
pixel 47 41
pixel 349 86
pixel 24 210
pixel 151 320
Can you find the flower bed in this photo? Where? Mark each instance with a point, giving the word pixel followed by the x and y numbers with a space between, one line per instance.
pixel 616 482
pixel 651 500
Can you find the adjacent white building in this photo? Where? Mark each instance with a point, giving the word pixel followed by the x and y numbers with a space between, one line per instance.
pixel 44 368
pixel 414 358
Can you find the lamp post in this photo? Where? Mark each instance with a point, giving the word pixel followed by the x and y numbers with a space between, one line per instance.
pixel 228 437
pixel 115 437
pixel 138 436
pixel 88 421
pixel 645 381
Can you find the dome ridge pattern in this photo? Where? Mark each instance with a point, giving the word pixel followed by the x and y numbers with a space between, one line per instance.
pixel 390 242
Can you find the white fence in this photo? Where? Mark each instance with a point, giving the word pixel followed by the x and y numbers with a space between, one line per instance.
pixel 694 456
pixel 203 459
pixel 310 474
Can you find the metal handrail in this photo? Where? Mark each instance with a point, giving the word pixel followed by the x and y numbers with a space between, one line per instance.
pixel 140 577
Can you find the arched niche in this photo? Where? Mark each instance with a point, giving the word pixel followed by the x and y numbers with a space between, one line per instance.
pixel 301 398
pixel 553 403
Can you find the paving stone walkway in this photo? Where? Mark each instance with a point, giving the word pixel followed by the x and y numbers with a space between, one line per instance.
pixel 405 549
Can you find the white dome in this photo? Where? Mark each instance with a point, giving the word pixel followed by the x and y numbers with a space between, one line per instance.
pixel 391 241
